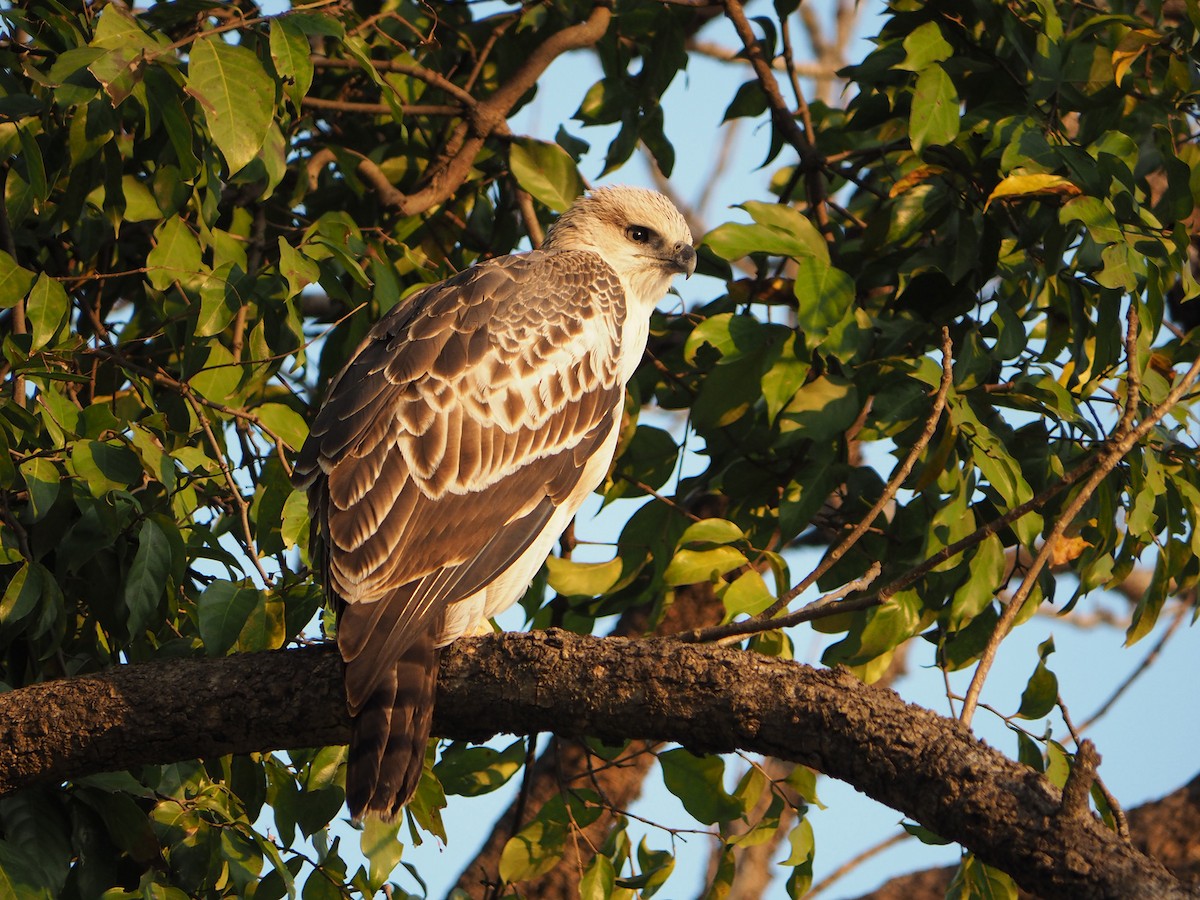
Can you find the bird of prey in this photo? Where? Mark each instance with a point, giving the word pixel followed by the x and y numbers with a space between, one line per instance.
pixel 456 445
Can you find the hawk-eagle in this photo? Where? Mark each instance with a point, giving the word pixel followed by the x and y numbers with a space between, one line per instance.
pixel 453 449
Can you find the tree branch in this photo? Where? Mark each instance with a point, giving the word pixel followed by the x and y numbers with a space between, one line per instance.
pixel 706 698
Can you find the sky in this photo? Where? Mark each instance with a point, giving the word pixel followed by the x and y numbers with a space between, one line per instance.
pixel 1142 741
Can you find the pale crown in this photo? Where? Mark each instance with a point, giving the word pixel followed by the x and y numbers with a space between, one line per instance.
pixel 638 232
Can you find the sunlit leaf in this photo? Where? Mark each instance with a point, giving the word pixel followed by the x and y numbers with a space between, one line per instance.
pixel 237 97
pixel 934 118
pixel 546 171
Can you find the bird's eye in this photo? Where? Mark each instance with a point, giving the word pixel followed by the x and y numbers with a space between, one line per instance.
pixel 639 234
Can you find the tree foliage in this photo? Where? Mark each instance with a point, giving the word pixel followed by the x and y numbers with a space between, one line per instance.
pixel 962 275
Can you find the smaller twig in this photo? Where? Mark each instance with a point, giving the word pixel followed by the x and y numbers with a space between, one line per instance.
pixel 240 21
pixel 1133 375
pixel 893 486
pixel 1117 447
pixel 1083 745
pixel 727 54
pixel 429 76
pixel 382 109
pixel 236 494
pixel 831 604
pixel 532 226
pixel 801 138
pixel 1139 670
pixel 854 862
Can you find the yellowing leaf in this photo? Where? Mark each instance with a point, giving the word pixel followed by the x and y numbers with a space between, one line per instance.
pixel 1014 186
pixel 572 578
pixel 1129 49
pixel 917 176
pixel 1066 549
pixel 694 566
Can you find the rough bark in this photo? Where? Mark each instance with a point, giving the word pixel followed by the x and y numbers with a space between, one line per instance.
pixel 708 699
pixel 1167 829
pixel 566 765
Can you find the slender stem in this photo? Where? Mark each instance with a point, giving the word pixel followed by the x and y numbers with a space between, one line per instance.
pixel 235 493
pixel 768 619
pixel 1117 447
pixel 855 861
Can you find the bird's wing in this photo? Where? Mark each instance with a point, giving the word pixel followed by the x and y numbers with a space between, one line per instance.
pixel 445 445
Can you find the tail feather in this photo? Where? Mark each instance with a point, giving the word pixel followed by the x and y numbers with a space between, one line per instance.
pixel 388 738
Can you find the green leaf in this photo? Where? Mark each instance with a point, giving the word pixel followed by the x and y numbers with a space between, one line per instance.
pixel 976 881
pixel 175 257
pixel 655 867
pixel 599 879
pixel 540 845
pixel 698 782
pixel 779 230
pixel 923 46
pixel 237 97
pixel 934 117
pixel 381 846
pixel 290 52
pixel 696 566
pixel 298 269
pixel 46 310
pixel 732 336
pixel 42 481
pixel 35 166
pixel 1096 217
pixel 711 531
pixel 1041 692
pixel 14 281
pixel 546 171
pixel 22 594
pixel 1035 185
pixel 473 771
pixel 219 378
pixel 749 101
pixel 218 302
pixel 295 524
pixel 21 876
pixel 824 295
pixel 120 71
pixel 924 835
pixel 802 844
pixel 284 422
pixel 986 568
pixel 583 579
pixel 223 611
pixel 264 628
pixel 748 595
pixel 823 409
pixel 107 466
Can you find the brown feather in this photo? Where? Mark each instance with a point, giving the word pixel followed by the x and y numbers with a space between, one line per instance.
pixel 441 453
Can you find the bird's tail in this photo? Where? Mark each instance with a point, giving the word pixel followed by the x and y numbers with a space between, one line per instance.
pixel 389 734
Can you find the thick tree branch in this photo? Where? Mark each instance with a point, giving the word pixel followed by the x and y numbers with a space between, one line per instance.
pixel 706 698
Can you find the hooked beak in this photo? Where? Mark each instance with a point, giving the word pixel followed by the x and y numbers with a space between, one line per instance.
pixel 684 260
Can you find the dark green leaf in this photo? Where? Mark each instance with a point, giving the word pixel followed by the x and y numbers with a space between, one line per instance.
pixel 148 574
pixel 698 782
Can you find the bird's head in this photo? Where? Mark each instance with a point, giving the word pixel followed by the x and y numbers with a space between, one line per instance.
pixel 638 232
